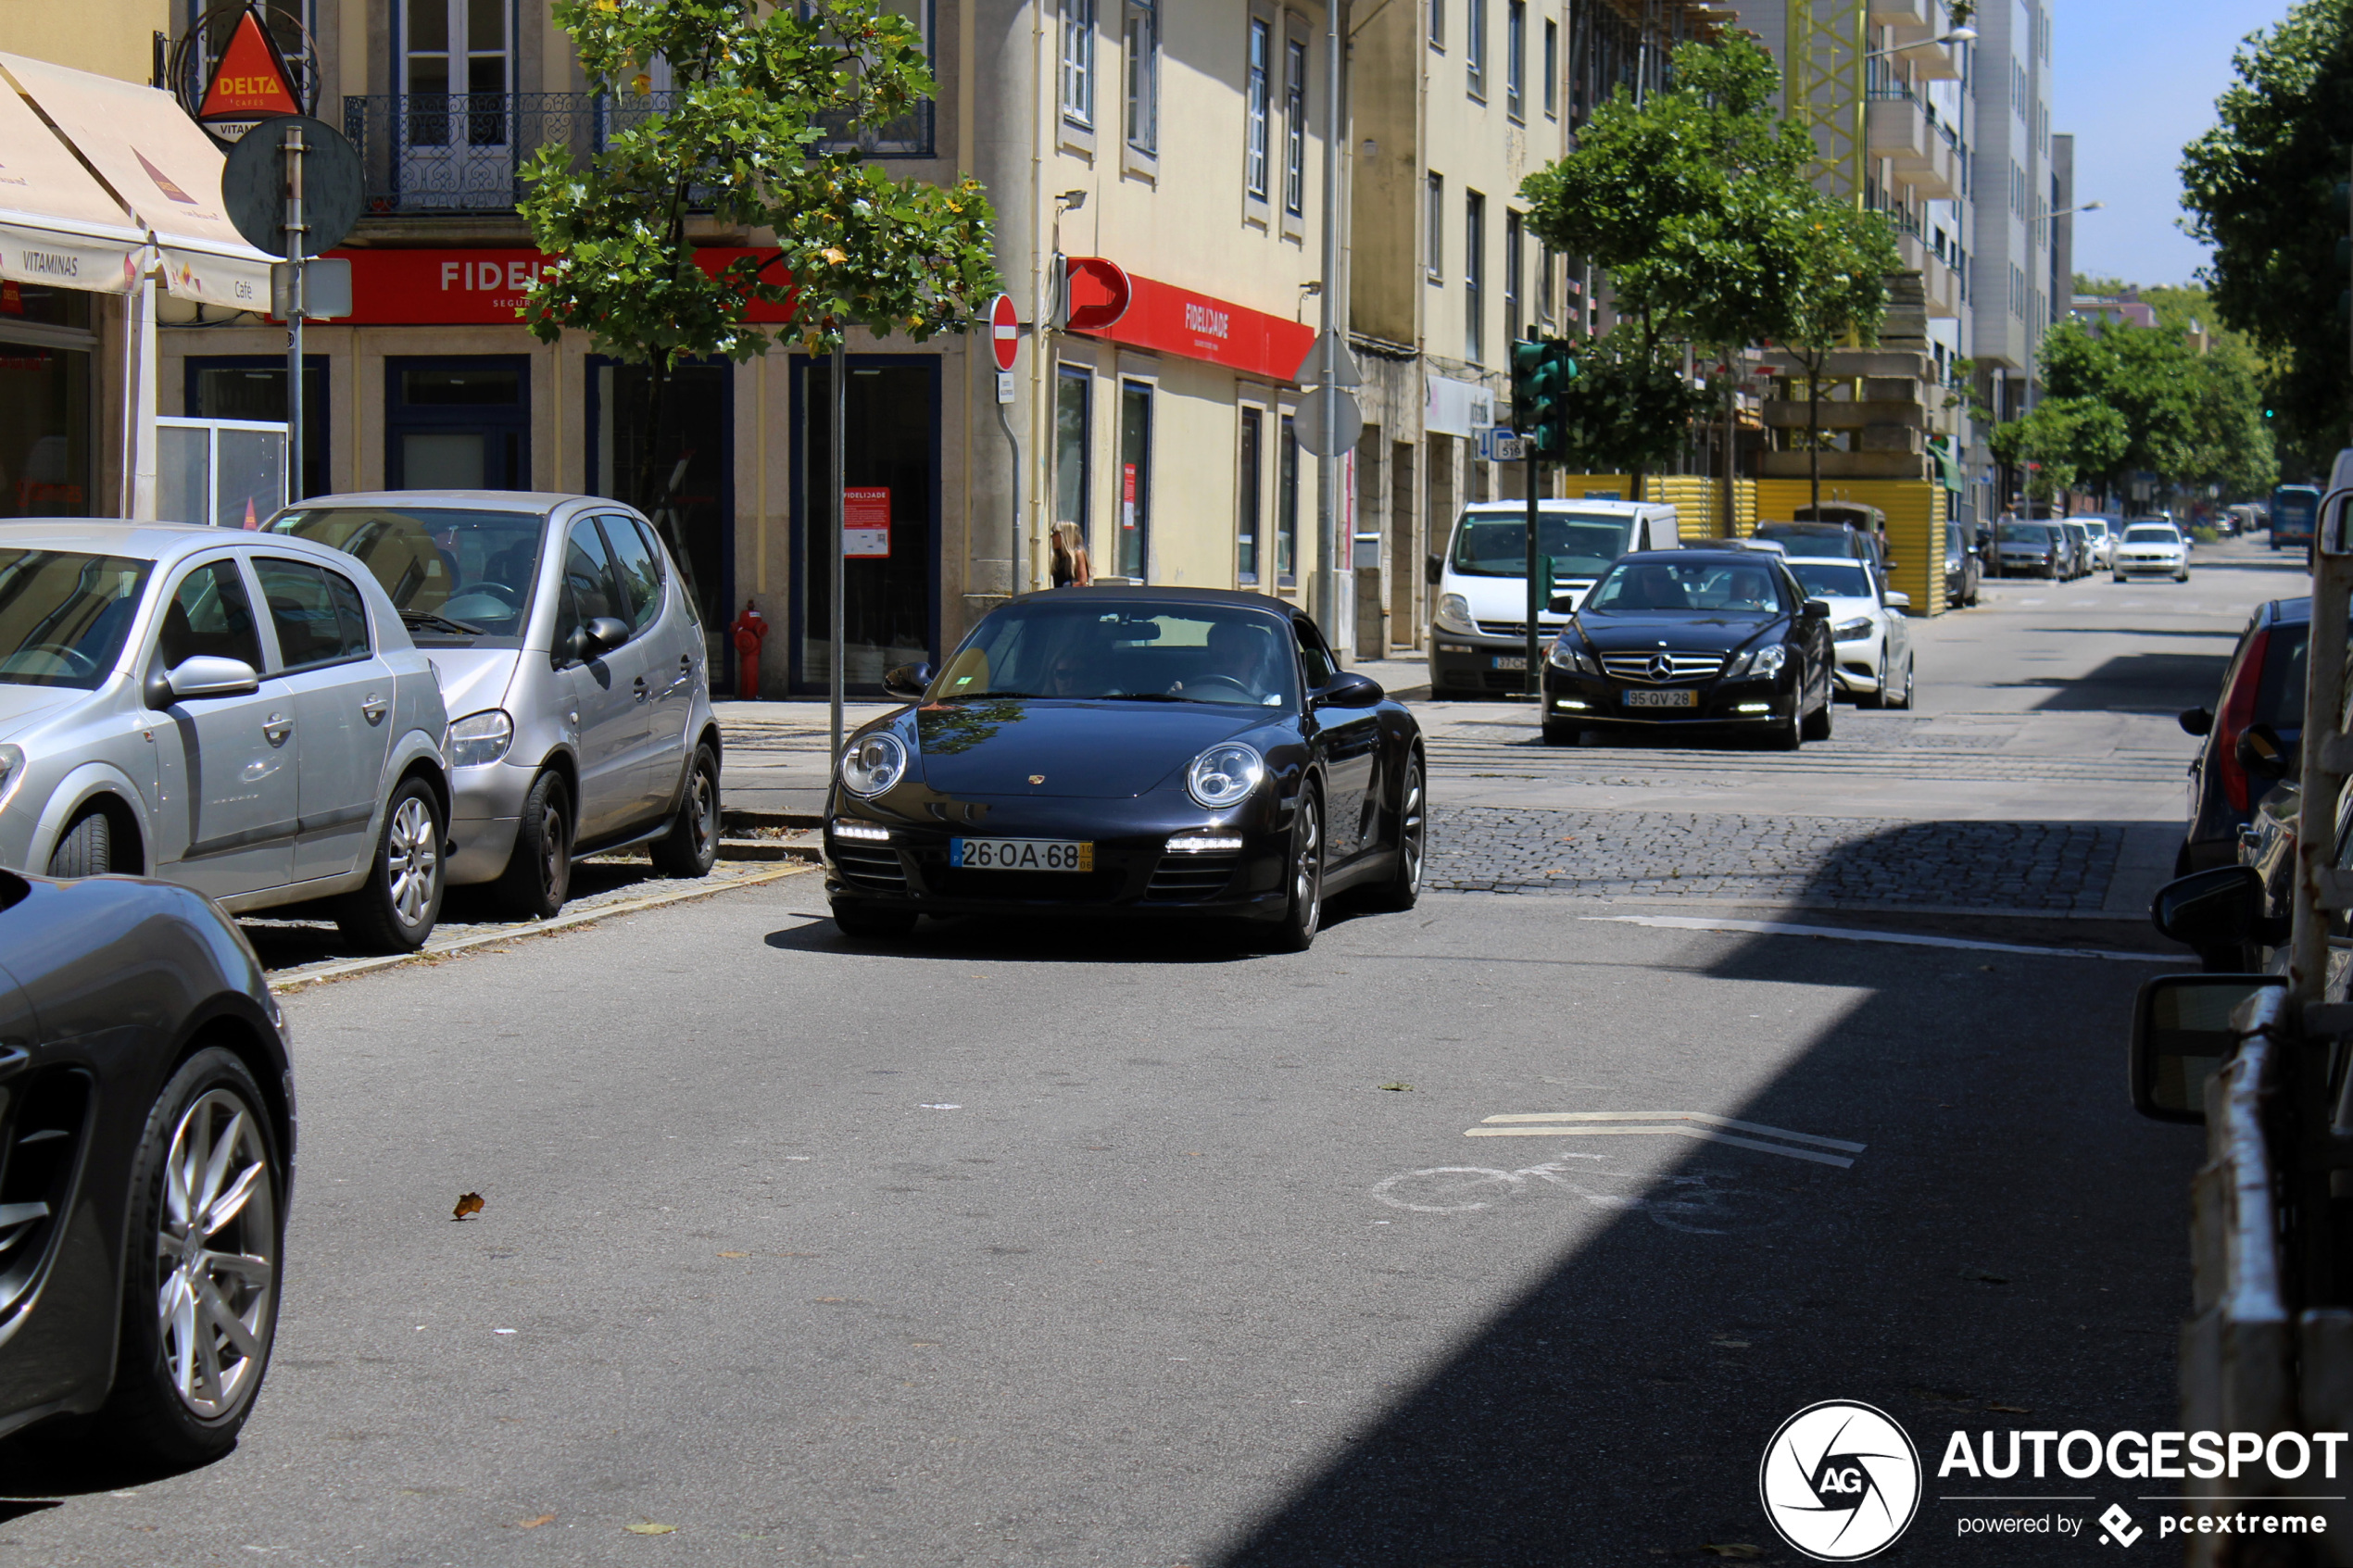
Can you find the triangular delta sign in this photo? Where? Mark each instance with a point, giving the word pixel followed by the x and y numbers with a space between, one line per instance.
pixel 251 82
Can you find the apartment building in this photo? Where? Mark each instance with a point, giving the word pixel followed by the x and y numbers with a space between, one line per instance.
pixel 2016 201
pixel 1178 144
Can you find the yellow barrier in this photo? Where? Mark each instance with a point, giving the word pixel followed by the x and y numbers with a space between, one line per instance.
pixel 1914 509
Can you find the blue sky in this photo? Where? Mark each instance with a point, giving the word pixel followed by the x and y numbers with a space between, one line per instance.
pixel 2134 81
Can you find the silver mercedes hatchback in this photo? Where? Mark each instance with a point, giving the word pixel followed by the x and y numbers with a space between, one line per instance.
pixel 239 713
pixel 573 663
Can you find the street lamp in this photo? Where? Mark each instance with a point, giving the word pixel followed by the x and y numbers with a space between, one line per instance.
pixel 2071 211
pixel 1959 35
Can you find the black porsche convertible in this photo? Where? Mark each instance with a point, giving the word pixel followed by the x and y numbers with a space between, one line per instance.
pixel 1129 751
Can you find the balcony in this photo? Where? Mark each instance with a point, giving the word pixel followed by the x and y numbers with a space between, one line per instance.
pixel 456 154
pixel 1904 127
pixel 1940 286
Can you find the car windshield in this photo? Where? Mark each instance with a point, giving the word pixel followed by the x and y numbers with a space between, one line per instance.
pixel 1837 531
pixel 1832 580
pixel 2151 533
pixel 1137 652
pixel 2023 533
pixel 1495 543
pixel 458 577
pixel 1643 586
pixel 64 615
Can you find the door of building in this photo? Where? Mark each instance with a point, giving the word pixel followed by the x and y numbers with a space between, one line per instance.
pixel 693 507
pixel 892 456
pixel 458 423
pixel 456 125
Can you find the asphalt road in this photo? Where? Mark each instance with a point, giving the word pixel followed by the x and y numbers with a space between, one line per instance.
pixel 1080 1245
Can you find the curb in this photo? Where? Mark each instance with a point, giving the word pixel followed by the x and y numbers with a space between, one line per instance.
pixel 432 951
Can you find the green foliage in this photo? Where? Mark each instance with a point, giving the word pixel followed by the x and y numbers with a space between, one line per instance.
pixel 2191 418
pixel 757 93
pixel 1629 405
pixel 2063 440
pixel 2260 187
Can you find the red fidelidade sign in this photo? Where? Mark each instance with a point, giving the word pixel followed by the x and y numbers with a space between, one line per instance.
pixel 457 288
pixel 865 522
pixel 1196 326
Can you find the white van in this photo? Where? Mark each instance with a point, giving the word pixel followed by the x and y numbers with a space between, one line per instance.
pixel 1478 641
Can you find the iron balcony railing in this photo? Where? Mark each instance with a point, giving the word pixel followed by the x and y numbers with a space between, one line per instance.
pixel 461 152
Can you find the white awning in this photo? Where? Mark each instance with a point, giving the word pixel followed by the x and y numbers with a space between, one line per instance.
pixel 57 225
pixel 163 167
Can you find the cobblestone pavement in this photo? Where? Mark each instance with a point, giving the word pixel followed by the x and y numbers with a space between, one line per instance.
pixel 1819 860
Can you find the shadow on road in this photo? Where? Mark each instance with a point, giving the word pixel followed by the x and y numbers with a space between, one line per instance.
pixel 1172 940
pixel 2009 1251
pixel 2136 683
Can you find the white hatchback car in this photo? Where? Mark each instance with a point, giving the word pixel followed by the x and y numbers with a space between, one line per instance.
pixel 2151 550
pixel 1868 628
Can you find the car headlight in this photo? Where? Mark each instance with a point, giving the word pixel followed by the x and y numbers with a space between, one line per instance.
pixel 1766 660
pixel 1566 655
pixel 1223 775
pixel 1847 630
pixel 481 737
pixel 1453 614
pixel 874 763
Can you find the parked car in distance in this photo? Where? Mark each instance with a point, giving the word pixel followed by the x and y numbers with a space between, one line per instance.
pixel 1704 639
pixel 1871 632
pixel 2078 538
pixel 1478 635
pixel 240 713
pixel 2029 549
pixel 1819 539
pixel 146 1161
pixel 2103 532
pixel 1963 573
pixel 1124 751
pixel 2152 548
pixel 2250 737
pixel 575 668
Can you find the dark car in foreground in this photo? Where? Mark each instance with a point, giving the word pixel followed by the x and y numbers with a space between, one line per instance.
pixel 146 1158
pixel 1704 639
pixel 1129 751
pixel 2250 741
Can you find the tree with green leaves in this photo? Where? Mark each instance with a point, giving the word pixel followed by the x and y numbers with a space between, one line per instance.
pixel 755 137
pixel 2193 418
pixel 1839 259
pixel 1628 406
pixel 2061 441
pixel 2259 188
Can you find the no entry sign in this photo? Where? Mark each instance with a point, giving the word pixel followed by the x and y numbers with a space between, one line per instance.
pixel 1004 331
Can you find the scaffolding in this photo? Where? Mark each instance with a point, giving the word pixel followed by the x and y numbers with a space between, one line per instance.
pixel 1827 44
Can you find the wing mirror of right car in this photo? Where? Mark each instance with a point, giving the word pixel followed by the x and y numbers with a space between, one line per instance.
pixel 2220 912
pixel 1348 689
pixel 1562 604
pixel 1434 568
pixel 205 675
pixel 2197 721
pixel 907 681
pixel 2181 1035
pixel 2262 753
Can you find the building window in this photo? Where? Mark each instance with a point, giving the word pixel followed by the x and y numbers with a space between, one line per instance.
pixel 1135 479
pixel 1544 265
pixel 1512 248
pixel 1295 128
pixel 1142 129
pixel 1437 24
pixel 1516 58
pixel 1551 70
pixel 1474 275
pixel 1262 36
pixel 1475 46
pixel 1078 61
pixel 1434 231
pixel 1247 503
pixel 1070 389
pixel 1287 508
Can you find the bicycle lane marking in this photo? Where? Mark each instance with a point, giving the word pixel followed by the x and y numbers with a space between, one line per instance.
pixel 1666 1124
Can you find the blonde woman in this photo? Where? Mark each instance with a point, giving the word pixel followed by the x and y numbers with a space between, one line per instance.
pixel 1070 566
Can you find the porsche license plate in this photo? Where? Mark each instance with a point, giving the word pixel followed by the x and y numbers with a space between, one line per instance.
pixel 1021 854
pixel 1662 699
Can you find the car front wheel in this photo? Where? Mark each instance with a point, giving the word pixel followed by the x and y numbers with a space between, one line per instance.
pixel 1404 882
pixel 1303 913
pixel 691 847
pixel 200 1299
pixel 538 875
pixel 393 911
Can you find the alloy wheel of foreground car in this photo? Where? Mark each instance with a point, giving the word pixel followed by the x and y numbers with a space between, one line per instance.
pixel 538 875
pixel 1817 724
pixel 395 910
pixel 1404 883
pixel 1296 931
pixel 1877 696
pixel 200 1304
pixel 1903 700
pixel 691 847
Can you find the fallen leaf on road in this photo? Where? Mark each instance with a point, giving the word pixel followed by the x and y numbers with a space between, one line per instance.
pixel 469 1204
pixel 1734 1548
pixel 535 1523
pixel 1398 1089
pixel 734 1254
pixel 2010 1409
pixel 647 1528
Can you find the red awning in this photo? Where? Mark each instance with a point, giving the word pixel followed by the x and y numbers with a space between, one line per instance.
pixel 1176 321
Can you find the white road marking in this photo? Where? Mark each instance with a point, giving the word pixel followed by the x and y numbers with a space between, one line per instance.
pixel 1663 1124
pixel 1703 1116
pixel 1900 939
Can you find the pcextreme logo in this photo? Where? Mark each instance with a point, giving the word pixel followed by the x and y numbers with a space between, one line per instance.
pixel 1841 1481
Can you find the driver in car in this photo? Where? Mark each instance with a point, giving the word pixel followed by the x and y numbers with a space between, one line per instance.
pixel 1239 655
pixel 1748 590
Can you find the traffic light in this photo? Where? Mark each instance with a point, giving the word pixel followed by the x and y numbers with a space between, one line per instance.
pixel 1540 374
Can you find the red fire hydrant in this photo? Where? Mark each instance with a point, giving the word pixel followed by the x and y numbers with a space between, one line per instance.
pixel 750 630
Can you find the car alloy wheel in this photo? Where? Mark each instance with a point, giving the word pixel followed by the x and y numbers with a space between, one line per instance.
pixel 395 909
pixel 1304 907
pixel 1404 883
pixel 412 861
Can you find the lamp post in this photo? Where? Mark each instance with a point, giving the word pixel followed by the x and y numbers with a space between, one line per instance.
pixel 1959 35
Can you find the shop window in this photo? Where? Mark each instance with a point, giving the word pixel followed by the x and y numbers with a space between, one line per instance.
pixel 685 482
pixel 254 387
pixel 44 430
pixel 1248 503
pixel 1133 556
pixel 458 423
pixel 1287 508
pixel 43 305
pixel 891 447
pixel 1071 388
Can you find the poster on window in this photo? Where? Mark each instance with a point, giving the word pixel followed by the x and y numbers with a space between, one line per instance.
pixel 1127 494
pixel 865 523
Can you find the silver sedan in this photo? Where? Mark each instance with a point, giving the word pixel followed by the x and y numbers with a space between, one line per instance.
pixel 239 713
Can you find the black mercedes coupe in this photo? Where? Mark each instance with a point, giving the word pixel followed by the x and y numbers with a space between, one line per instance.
pixel 146 1156
pixel 1693 638
pixel 1127 750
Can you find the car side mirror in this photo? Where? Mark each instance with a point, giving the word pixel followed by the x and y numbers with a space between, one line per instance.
pixel 1898 600
pixel 1348 689
pixel 2220 912
pixel 600 635
pixel 2197 721
pixel 1815 610
pixel 907 681
pixel 1562 604
pixel 205 675
pixel 1433 569
pixel 2181 1035
pixel 2262 753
